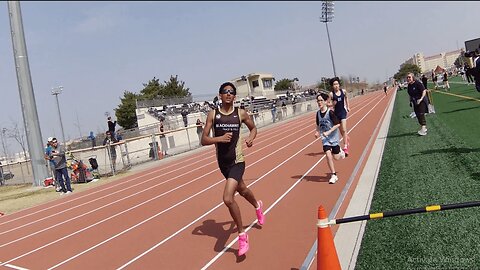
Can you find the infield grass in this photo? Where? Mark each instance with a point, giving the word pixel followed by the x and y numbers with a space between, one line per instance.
pixel 440 168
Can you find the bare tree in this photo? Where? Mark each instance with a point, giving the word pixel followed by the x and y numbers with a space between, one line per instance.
pixel 17 133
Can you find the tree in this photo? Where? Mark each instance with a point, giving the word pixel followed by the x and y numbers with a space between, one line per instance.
pixel 151 90
pixel 18 134
pixel 283 84
pixel 405 69
pixel 175 88
pixel 125 112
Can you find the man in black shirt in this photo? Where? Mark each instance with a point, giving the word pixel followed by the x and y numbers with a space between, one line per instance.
pixel 417 94
pixel 111 125
pixel 424 81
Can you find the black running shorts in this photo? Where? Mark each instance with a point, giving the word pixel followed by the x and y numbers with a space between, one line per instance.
pixel 234 171
pixel 335 149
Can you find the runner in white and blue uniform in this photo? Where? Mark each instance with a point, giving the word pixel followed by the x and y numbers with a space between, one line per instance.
pixel 327 128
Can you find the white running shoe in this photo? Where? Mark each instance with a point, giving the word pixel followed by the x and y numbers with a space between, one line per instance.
pixel 333 179
pixel 422 131
pixel 342 154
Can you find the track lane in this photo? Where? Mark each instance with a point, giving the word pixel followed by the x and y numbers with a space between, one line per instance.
pixel 248 159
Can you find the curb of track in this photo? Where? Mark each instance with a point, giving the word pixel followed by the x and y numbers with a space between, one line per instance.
pixel 349 236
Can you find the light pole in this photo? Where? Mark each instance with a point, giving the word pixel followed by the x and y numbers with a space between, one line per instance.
pixel 327 16
pixel 55 92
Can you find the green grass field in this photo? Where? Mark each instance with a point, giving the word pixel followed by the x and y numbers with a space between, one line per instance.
pixel 440 168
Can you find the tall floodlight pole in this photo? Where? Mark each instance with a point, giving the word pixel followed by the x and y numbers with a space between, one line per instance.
pixel 27 97
pixel 327 16
pixel 55 92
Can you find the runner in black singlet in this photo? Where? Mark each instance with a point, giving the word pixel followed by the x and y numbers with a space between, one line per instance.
pixel 341 107
pixel 226 122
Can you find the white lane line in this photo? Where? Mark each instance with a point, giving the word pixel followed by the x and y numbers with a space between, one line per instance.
pixel 197 219
pixel 105 188
pixel 211 210
pixel 307 263
pixel 15 267
pixel 109 187
pixel 129 187
pixel 136 206
pixel 168 209
pixel 130 209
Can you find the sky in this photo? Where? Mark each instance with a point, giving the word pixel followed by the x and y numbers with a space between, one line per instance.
pixel 98 50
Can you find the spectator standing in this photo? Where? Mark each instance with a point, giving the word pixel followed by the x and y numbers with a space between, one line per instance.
pixel 476 69
pixel 199 125
pixel 468 73
pixel 61 173
pixel 226 122
pixel 51 162
pixel 2 180
pixel 255 114
pixel 294 104
pixel 92 138
pixel 273 108
pixel 184 114
pixel 417 94
pixel 327 128
pixel 163 139
pixel 112 153
pixel 424 81
pixel 434 79
pixel 111 125
pixel 445 81
pixel 119 136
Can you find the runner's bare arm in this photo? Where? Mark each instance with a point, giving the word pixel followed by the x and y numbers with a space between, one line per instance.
pixel 347 103
pixel 251 126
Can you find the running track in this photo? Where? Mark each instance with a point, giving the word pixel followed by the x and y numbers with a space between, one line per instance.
pixel 172 216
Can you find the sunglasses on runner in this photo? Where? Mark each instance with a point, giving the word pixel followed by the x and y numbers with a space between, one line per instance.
pixel 228 91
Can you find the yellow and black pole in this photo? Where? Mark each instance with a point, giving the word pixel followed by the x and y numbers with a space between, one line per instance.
pixel 431 208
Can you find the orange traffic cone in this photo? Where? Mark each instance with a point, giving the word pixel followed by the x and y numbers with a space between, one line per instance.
pixel 327 258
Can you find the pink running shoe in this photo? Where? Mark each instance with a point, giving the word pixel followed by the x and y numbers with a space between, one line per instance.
pixel 346 151
pixel 242 244
pixel 260 215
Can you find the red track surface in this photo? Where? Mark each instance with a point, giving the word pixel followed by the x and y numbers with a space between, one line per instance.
pixel 172 216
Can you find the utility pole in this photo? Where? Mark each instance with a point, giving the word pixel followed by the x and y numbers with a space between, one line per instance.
pixel 27 97
pixel 327 16
pixel 78 125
